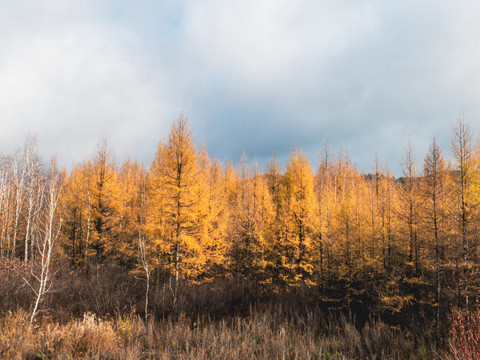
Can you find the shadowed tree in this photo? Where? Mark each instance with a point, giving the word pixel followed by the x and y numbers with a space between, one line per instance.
pixel 435 173
pixel 409 212
pixel 465 180
pixel 105 202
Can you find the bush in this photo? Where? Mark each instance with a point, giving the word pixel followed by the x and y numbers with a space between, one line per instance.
pixel 14 293
pixel 465 335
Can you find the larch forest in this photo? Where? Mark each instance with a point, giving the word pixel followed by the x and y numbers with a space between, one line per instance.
pixel 193 258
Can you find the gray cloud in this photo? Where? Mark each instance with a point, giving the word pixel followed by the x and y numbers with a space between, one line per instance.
pixel 260 76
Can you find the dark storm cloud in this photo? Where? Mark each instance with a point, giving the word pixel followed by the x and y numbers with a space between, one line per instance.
pixel 254 76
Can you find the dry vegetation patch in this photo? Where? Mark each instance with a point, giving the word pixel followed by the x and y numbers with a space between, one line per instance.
pixel 258 336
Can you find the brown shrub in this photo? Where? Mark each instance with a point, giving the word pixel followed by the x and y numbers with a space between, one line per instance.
pixel 13 290
pixel 465 335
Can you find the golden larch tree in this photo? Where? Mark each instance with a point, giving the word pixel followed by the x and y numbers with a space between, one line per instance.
pixel 174 187
pixel 299 217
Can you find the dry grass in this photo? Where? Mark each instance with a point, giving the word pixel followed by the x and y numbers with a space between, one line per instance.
pixel 259 336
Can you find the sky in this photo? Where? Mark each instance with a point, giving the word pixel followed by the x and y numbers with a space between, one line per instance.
pixel 255 76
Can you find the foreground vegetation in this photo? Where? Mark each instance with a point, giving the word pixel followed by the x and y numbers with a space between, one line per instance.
pixel 261 335
pixel 98 313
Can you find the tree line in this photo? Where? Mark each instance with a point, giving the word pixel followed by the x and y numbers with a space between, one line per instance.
pixel 364 240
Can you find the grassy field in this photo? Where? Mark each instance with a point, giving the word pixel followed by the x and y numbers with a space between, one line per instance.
pixel 261 335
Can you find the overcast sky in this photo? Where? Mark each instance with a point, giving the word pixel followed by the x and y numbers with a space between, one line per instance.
pixel 260 76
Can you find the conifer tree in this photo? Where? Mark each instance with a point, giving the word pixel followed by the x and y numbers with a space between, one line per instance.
pixel 466 187
pixel 173 204
pixel 211 217
pixel 299 215
pixel 130 180
pixel 410 203
pixel 435 174
pixel 105 202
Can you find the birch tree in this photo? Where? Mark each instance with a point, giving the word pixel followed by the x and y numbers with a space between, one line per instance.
pixel 5 194
pixel 31 164
pixel 143 251
pixel 48 231
pixel 18 177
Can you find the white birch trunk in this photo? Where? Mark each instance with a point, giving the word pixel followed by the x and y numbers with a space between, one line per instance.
pixel 49 230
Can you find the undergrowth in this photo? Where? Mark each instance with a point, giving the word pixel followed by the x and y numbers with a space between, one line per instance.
pixel 262 335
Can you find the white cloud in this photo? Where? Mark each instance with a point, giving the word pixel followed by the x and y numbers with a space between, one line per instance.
pixel 256 75
pixel 71 80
